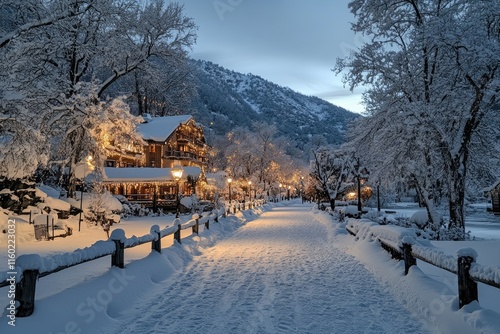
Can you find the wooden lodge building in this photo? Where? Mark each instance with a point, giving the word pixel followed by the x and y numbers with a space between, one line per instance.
pixel 144 174
pixel 494 192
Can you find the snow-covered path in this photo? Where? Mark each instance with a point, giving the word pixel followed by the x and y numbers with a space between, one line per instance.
pixel 277 274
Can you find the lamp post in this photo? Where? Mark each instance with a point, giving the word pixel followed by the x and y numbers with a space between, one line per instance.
pixel 155 200
pixel 280 190
pixel 250 190
pixel 229 180
pixel 288 193
pixel 177 171
pixel 88 160
pixel 357 167
pixel 378 195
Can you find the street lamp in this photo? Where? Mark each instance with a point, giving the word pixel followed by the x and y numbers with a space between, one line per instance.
pixel 280 190
pixel 357 167
pixel 229 180
pixel 378 195
pixel 250 190
pixel 88 163
pixel 177 171
pixel 288 193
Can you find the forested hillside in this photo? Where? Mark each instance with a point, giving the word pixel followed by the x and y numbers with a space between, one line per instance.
pixel 227 99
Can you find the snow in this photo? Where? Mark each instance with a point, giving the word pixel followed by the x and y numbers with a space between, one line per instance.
pixel 29 262
pixel 55 203
pixel 45 219
pixel 420 217
pixel 119 235
pixel 145 174
pixel 160 128
pixel 43 191
pixel 281 268
pixel 470 252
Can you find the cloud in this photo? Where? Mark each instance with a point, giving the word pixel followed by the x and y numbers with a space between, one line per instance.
pixel 293 43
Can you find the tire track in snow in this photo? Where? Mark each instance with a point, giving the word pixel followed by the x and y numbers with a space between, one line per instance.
pixel 277 274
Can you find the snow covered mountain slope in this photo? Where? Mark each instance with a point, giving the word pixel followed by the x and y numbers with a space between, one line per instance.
pixel 227 99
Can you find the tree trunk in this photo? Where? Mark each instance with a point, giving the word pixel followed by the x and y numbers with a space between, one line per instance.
pixel 332 203
pixel 456 200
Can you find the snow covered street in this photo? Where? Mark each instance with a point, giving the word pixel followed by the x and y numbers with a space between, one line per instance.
pixel 277 274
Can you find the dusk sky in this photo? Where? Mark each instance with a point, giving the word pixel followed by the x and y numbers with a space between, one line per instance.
pixel 294 43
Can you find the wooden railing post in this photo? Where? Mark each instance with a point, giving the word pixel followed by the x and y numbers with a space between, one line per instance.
pixel 25 293
pixel 467 288
pixel 196 227
pixel 118 256
pixel 408 257
pixel 207 223
pixel 156 244
pixel 177 234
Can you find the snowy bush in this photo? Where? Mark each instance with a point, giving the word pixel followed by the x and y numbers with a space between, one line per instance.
pixel 351 211
pixel 129 209
pixel 420 219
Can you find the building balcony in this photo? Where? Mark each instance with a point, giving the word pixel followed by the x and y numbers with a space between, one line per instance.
pixel 181 155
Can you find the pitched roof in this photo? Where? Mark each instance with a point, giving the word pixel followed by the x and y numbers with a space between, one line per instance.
pixel 145 174
pixel 160 128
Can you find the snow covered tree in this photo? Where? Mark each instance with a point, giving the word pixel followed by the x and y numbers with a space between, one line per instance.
pixel 435 64
pixel 330 168
pixel 86 126
pixel 61 58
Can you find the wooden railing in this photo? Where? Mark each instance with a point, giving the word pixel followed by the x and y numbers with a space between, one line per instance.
pixel 467 281
pixel 115 246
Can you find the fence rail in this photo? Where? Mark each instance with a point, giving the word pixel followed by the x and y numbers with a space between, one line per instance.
pixel 467 281
pixel 26 286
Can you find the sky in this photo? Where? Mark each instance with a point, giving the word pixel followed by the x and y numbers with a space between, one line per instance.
pixel 294 43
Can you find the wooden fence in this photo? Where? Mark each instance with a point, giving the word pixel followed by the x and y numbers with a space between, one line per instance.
pixel 467 282
pixel 25 288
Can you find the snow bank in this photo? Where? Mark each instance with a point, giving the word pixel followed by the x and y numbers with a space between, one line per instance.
pixel 430 296
pixel 55 203
pixel 43 191
pixel 397 235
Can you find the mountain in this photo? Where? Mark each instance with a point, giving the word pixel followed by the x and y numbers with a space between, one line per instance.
pixel 228 99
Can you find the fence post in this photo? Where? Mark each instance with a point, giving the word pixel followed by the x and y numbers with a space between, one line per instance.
pixel 25 293
pixel 118 256
pixel 156 244
pixel 196 226
pixel 207 223
pixel 408 257
pixel 467 288
pixel 177 234
pixel 47 236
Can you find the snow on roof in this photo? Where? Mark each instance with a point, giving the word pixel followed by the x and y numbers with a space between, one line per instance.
pixel 145 174
pixel 496 184
pixel 160 128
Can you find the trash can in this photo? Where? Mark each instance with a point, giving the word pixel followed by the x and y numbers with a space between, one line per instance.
pixel 40 232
